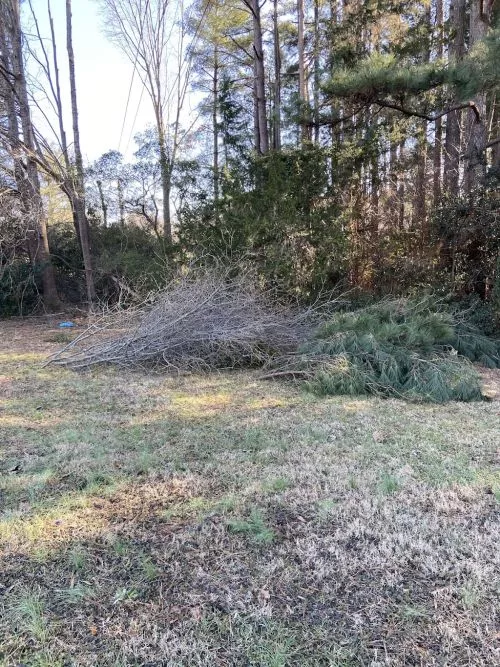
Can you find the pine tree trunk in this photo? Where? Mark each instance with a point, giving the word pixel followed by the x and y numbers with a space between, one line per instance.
pixel 453 119
pixel 392 197
pixel 79 190
pixel 256 131
pixel 475 155
pixel 419 203
pixel 302 73
pixel 494 133
pixel 401 190
pixel 262 145
pixel 277 80
pixel 215 125
pixel 438 123
pixel 316 63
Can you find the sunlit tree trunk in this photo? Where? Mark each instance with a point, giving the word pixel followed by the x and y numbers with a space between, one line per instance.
pixel 304 133
pixel 316 65
pixel 259 88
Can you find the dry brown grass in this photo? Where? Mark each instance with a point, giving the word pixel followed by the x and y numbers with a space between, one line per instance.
pixel 223 521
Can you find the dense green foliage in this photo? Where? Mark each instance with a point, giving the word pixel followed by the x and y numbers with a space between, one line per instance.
pixel 281 211
pixel 400 348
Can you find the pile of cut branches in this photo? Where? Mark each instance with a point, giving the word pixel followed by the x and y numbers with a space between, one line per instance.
pixel 415 350
pixel 199 322
pixel 401 348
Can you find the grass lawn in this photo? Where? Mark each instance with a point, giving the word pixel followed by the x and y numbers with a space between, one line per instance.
pixel 222 521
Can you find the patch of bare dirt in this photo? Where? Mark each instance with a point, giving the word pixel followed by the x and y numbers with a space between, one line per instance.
pixel 34 335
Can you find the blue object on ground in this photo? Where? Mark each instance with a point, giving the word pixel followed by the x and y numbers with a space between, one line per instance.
pixel 66 325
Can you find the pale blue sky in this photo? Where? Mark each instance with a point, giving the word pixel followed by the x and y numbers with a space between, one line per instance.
pixel 103 79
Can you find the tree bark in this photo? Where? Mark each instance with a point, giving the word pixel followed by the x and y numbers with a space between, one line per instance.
pixel 453 119
pixel 495 132
pixel 419 202
pixel 401 189
pixel 166 182
pixel 260 120
pixel 277 80
pixel 26 174
pixel 121 203
pixel 104 206
pixel 215 124
pixel 476 134
pixel 316 61
pixel 438 123
pixel 78 202
pixel 302 74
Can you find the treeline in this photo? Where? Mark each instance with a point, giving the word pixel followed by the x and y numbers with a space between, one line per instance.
pixel 352 143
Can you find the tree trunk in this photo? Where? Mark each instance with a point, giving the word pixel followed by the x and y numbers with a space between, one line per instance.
pixel 438 123
pixel 419 202
pixel 392 186
pixel 26 174
pixel 302 73
pixel 262 146
pixel 401 189
pixel 121 203
pixel 215 125
pixel 68 187
pixel 277 80
pixel 475 155
pixel 495 132
pixel 453 119
pixel 79 190
pixel 104 206
pixel 166 181
pixel 256 131
pixel 317 81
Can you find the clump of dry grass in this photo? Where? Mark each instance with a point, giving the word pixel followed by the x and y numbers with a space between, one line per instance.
pixel 219 520
pixel 200 321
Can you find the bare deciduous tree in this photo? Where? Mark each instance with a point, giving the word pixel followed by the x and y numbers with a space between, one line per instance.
pixel 18 138
pixel 153 34
pixel 78 202
pixel 59 165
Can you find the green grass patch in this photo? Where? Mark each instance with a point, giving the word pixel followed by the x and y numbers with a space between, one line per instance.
pixel 254 527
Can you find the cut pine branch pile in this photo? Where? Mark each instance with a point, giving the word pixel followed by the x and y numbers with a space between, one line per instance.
pixel 400 348
pixel 198 323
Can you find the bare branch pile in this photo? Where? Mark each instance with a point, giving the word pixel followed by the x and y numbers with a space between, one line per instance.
pixel 200 322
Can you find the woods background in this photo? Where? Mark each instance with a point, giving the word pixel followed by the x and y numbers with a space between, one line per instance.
pixel 334 144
